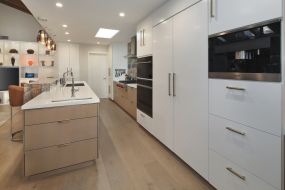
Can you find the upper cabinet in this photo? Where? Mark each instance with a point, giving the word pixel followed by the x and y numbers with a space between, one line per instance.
pixel 231 14
pixel 144 38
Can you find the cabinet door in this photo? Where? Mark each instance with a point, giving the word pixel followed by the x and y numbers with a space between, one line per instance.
pixel 191 87
pixel 144 38
pixel 230 14
pixel 162 94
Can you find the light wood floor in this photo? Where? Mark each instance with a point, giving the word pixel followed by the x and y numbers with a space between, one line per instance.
pixel 130 159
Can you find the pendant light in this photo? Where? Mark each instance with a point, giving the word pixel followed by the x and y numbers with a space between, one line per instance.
pixel 48 43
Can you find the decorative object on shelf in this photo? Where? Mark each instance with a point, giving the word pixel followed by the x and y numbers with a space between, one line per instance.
pixel 119 72
pixel 43 63
pixel 30 51
pixel 52 63
pixel 13 60
pixel 30 62
pixel 13 51
pixel 29 75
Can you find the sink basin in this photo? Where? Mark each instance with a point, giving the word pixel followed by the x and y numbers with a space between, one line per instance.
pixel 70 99
pixel 128 81
pixel 75 84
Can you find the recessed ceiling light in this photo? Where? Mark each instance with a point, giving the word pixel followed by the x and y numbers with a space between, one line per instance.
pixel 122 14
pixel 67 33
pixel 69 40
pixel 64 26
pixel 106 33
pixel 59 4
pixel 98 43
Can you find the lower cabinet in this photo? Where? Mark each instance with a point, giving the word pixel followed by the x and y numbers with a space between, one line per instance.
pixel 59 137
pixel 126 98
pixel 226 175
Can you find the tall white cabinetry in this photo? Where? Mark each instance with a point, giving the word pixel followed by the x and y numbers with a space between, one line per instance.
pixel 144 38
pixel 230 14
pixel 68 57
pixel 180 86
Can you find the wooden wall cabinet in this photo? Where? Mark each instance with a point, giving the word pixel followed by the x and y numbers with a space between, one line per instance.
pixel 126 97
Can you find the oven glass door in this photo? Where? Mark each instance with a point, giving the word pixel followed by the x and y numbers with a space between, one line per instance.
pixel 144 68
pixel 144 99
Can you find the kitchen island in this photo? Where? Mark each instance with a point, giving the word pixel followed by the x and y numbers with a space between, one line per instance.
pixel 60 131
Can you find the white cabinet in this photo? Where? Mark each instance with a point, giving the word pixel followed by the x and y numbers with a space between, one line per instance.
pixel 144 38
pixel 226 175
pixel 248 103
pixel 162 80
pixel 190 42
pixel 68 57
pixel 180 85
pixel 231 14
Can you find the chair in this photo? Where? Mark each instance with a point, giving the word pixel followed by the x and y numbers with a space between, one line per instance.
pixel 16 98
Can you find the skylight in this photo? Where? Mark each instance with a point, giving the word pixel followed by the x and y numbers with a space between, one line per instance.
pixel 106 33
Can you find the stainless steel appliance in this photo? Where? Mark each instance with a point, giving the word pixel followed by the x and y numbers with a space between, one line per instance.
pixel 144 87
pixel 252 53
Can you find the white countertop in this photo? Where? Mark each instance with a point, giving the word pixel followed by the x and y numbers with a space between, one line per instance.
pixel 61 96
pixel 133 85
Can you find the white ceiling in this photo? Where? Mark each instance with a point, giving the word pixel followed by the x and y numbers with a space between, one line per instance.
pixel 85 17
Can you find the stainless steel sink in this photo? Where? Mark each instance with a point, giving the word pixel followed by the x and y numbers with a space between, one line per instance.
pixel 75 84
pixel 70 99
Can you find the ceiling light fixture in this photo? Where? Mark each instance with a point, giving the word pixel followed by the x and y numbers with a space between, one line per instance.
pixel 64 26
pixel 122 14
pixel 98 43
pixel 67 33
pixel 69 40
pixel 106 33
pixel 59 4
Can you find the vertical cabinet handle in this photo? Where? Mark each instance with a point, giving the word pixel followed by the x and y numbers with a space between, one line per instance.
pixel 169 84
pixel 174 81
pixel 143 38
pixel 213 8
pixel 236 174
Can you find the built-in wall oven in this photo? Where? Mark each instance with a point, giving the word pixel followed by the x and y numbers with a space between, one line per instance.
pixel 144 87
pixel 252 53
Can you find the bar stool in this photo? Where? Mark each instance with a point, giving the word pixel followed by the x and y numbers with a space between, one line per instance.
pixel 16 98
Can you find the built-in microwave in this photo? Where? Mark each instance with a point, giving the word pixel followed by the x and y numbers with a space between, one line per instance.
pixel 251 53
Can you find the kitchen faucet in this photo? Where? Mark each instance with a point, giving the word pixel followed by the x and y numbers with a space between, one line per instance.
pixel 73 90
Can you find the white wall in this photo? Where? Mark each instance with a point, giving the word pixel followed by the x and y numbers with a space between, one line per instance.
pixel 119 53
pixel 17 25
pixel 84 49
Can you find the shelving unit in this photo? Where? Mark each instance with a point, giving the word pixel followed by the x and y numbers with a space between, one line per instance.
pixel 40 61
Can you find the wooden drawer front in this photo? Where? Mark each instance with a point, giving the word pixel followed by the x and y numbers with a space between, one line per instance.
pixel 48 115
pixel 223 179
pixel 43 160
pixel 256 151
pixel 50 134
pixel 255 104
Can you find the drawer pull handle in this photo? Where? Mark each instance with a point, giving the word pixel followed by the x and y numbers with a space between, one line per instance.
pixel 62 145
pixel 236 131
pixel 236 174
pixel 62 122
pixel 235 88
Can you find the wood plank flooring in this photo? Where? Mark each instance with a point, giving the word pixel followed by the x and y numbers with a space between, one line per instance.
pixel 130 159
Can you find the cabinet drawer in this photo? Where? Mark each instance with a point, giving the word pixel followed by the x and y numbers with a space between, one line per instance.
pixel 144 120
pixel 43 160
pixel 49 134
pixel 256 151
pixel 48 115
pixel 255 104
pixel 224 175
